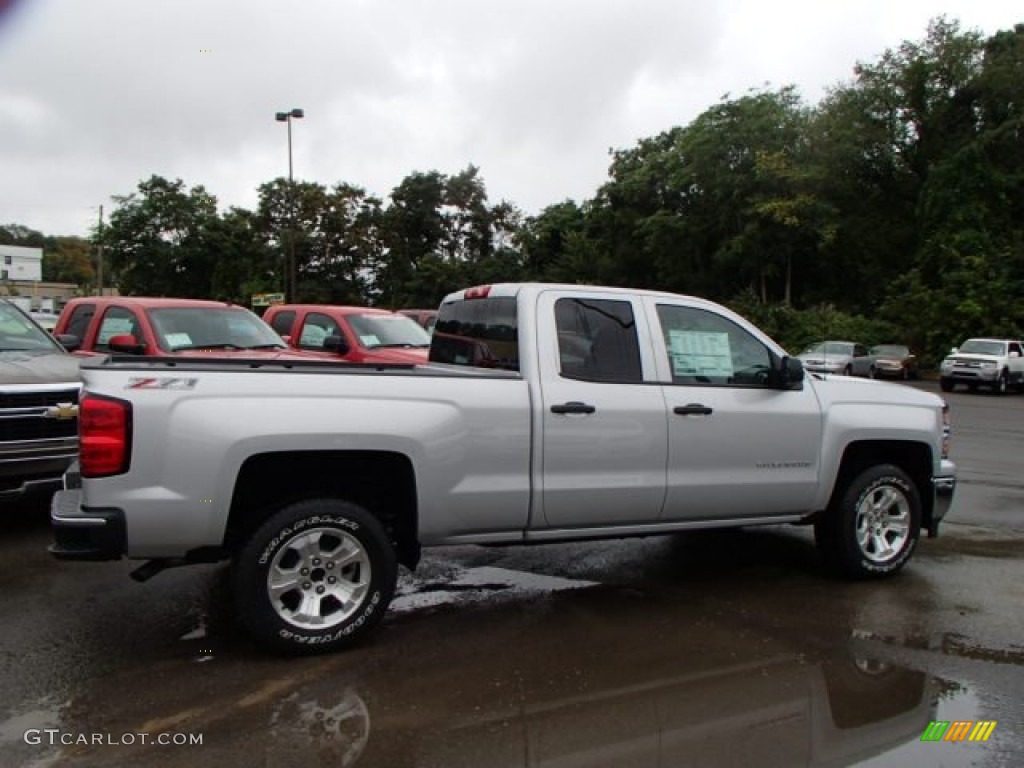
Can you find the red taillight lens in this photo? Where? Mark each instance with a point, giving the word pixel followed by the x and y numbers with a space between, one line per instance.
pixel 104 436
pixel 478 292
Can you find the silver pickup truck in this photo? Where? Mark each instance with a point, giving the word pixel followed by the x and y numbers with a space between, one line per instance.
pixel 548 413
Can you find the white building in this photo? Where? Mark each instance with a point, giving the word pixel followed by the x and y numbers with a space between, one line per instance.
pixel 21 263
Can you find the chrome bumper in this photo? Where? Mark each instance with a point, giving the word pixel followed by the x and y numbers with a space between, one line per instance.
pixel 943 487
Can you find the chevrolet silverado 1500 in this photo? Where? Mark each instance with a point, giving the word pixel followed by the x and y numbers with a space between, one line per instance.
pixel 547 413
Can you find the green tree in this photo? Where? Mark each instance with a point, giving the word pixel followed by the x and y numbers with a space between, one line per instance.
pixel 69 260
pixel 156 241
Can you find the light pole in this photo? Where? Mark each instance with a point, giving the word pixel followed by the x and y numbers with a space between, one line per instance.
pixel 290 282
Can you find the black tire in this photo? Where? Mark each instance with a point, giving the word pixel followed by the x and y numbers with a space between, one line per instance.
pixel 346 551
pixel 877 508
pixel 1002 384
pixel 946 385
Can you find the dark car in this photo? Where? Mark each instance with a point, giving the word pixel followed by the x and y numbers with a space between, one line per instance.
pixel 889 361
pixel 39 384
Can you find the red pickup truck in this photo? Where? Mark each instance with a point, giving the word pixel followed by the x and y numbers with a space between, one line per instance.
pixel 97 325
pixel 353 334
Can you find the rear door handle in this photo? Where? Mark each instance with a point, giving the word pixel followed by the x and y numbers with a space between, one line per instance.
pixel 692 409
pixel 573 407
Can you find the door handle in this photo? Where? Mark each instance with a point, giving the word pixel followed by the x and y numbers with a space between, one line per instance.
pixel 573 407
pixel 692 409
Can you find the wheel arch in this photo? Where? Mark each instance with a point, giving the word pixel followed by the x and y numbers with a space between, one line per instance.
pixel 912 457
pixel 382 482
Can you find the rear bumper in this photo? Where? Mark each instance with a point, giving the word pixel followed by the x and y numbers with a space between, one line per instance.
pixel 943 487
pixel 85 534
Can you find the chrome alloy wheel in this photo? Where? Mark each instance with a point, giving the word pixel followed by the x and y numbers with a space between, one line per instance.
pixel 883 523
pixel 318 578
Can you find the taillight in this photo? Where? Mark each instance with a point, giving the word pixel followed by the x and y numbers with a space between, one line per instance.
pixel 478 292
pixel 104 435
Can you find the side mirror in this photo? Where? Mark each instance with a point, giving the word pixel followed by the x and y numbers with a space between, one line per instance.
pixel 1015 353
pixel 126 343
pixel 69 341
pixel 954 350
pixel 336 344
pixel 789 374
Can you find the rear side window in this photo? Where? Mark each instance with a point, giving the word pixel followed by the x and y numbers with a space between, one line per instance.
pixel 79 321
pixel 282 322
pixel 483 333
pixel 597 341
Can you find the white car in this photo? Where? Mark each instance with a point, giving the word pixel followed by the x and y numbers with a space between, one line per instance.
pixel 832 356
pixel 45 320
pixel 995 363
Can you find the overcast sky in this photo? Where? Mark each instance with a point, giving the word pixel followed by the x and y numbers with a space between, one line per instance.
pixel 96 95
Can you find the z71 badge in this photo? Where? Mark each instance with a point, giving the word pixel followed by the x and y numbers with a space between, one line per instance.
pixel 160 382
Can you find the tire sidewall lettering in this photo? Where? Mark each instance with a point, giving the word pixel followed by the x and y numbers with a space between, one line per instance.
pixel 312 521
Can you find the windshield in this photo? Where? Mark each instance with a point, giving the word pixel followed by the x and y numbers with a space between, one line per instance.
pixel 890 350
pixel 19 334
pixel 830 348
pixel 979 347
pixel 375 331
pixel 179 328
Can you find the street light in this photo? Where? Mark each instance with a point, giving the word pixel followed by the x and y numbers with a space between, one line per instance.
pixel 286 117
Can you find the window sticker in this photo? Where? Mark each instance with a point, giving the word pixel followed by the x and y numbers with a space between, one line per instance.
pixel 700 353
pixel 175 340
pixel 370 340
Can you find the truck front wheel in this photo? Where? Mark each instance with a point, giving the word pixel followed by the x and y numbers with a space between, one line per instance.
pixel 316 577
pixel 873 526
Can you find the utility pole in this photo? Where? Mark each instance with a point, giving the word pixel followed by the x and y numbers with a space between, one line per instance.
pixel 99 256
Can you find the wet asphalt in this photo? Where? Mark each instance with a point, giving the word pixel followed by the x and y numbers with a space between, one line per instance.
pixel 704 649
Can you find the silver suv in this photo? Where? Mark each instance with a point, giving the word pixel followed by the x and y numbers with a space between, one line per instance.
pixel 995 363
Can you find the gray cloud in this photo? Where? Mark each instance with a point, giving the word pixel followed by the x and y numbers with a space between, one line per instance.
pixel 95 96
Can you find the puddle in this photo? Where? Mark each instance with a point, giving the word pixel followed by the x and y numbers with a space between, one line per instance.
pixel 13 729
pixel 466 585
pixel 957 705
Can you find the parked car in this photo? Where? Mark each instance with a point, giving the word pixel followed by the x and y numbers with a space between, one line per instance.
pixel 425 317
pixel 683 416
pixel 994 363
pixel 894 361
pixel 351 334
pixel 45 320
pixel 39 385
pixel 162 326
pixel 832 356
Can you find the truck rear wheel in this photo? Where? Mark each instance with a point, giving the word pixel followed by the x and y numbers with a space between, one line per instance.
pixel 873 526
pixel 316 577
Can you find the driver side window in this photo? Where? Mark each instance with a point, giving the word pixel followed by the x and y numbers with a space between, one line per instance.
pixel 706 349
